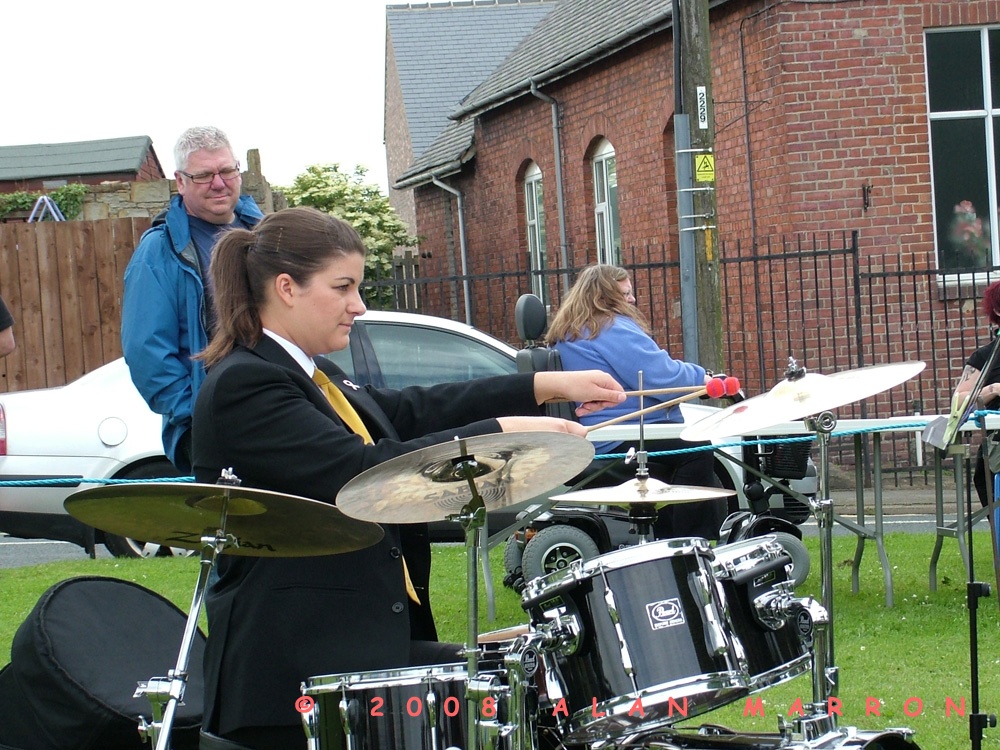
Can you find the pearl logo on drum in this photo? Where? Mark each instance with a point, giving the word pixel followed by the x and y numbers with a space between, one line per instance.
pixel 665 614
pixel 529 662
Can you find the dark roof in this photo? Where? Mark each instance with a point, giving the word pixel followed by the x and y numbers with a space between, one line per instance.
pixel 445 156
pixel 444 50
pixel 574 35
pixel 46 160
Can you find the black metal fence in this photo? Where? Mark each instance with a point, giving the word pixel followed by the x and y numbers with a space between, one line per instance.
pixel 821 299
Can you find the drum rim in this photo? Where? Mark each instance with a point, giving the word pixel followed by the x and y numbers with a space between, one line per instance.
pixel 626 557
pixel 400 676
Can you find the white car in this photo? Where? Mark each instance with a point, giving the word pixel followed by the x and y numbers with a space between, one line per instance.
pixel 98 427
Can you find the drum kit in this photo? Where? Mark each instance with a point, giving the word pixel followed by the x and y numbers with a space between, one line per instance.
pixel 618 650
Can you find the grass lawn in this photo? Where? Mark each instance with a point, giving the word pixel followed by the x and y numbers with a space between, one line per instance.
pixel 898 667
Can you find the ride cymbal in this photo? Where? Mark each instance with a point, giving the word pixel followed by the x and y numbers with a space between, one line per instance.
pixel 265 524
pixel 641 491
pixel 800 397
pixel 430 484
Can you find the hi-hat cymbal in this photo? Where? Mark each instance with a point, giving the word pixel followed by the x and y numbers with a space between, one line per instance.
pixel 265 524
pixel 795 399
pixel 429 485
pixel 641 491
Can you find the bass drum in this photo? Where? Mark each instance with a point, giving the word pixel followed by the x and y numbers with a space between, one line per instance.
pixel 845 739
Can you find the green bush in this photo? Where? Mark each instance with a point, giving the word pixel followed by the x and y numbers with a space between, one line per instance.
pixel 69 199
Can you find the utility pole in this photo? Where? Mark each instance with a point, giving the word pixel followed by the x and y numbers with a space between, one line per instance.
pixel 694 135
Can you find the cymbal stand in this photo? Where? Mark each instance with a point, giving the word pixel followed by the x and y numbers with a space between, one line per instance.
pixel 639 514
pixel 473 518
pixel 825 672
pixel 166 693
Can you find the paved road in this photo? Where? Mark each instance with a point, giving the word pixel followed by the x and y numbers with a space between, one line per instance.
pixel 17 553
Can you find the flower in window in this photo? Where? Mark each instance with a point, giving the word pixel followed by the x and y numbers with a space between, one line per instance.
pixel 969 235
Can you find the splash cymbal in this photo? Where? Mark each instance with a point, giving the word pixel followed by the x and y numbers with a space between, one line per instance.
pixel 429 484
pixel 641 491
pixel 265 524
pixel 793 399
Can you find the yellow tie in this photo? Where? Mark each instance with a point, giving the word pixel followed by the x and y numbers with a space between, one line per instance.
pixel 351 418
pixel 342 406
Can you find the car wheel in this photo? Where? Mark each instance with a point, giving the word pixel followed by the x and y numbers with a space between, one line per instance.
pixel 796 550
pixel 121 546
pixel 555 548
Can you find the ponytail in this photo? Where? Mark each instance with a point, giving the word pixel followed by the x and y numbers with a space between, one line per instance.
pixel 298 241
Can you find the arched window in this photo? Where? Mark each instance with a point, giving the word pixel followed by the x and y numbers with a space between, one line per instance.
pixel 534 212
pixel 609 242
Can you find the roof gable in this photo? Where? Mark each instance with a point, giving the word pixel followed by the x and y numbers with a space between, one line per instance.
pixel 576 33
pixel 48 160
pixel 444 50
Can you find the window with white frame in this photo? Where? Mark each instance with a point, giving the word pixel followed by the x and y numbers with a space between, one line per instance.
pixel 963 95
pixel 609 242
pixel 534 212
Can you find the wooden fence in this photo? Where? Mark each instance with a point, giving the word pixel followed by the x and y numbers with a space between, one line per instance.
pixel 63 283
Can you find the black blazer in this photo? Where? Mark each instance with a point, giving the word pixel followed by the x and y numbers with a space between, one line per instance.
pixel 274 622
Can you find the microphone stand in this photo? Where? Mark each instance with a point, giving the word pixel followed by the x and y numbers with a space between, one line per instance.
pixel 976 590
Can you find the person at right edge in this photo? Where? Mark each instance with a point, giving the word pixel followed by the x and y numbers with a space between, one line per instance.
pixel 990 392
pixel 599 327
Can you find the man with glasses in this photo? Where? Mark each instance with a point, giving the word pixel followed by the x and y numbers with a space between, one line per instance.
pixel 167 312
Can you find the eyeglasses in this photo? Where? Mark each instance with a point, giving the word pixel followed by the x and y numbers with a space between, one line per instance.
pixel 203 178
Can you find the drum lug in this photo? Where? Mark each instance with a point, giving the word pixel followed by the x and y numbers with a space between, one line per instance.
pixel 717 641
pixel 609 599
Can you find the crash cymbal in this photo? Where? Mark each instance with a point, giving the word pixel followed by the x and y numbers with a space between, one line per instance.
pixel 805 396
pixel 639 491
pixel 265 524
pixel 428 484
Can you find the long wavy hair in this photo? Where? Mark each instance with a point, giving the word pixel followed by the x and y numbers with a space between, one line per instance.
pixel 594 301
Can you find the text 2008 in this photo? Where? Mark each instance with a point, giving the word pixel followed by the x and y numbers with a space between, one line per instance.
pixel 450 706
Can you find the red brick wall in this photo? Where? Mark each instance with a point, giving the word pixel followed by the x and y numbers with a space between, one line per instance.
pixel 835 99
pixel 398 149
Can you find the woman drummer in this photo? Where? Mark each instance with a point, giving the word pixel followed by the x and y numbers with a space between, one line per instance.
pixel 287 292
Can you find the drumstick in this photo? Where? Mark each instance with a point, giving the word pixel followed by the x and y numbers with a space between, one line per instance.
pixel 659 391
pixel 714 388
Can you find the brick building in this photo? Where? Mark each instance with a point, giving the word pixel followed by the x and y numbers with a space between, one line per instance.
pixel 46 165
pixel 872 116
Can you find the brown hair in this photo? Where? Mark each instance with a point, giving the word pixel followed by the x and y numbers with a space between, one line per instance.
pixel 593 302
pixel 298 241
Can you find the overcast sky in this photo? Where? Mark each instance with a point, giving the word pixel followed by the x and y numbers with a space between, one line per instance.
pixel 300 80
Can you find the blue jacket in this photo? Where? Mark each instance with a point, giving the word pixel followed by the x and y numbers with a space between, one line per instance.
pixel 163 319
pixel 622 349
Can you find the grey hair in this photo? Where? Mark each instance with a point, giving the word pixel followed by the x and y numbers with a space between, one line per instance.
pixel 198 138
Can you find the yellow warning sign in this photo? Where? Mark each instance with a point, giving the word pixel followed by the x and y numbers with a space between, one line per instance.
pixel 704 168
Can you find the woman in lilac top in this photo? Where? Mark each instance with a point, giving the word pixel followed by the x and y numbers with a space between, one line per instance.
pixel 598 327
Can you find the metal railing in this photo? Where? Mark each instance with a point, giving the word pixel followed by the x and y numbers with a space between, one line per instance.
pixel 822 299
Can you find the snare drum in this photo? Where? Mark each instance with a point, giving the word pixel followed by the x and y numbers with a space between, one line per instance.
pixel 404 709
pixel 775 640
pixel 642 642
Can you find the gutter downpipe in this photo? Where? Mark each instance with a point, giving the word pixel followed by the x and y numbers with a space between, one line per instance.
pixel 461 243
pixel 557 147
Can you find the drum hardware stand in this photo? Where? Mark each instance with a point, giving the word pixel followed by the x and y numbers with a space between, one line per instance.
pixel 472 518
pixel 166 693
pixel 639 514
pixel 824 672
